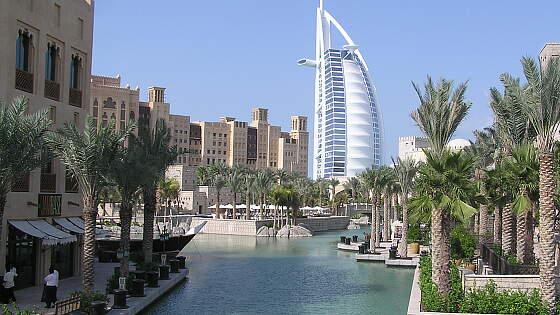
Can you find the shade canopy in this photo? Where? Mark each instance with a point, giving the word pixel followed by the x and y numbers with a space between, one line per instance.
pixel 63 222
pixel 48 234
pixel 79 222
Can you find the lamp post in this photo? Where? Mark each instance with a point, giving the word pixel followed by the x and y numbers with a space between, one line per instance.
pixel 164 237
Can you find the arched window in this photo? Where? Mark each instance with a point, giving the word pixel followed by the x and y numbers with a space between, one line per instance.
pixel 95 108
pixel 132 115
pixel 123 111
pixel 75 72
pixel 109 103
pixel 23 51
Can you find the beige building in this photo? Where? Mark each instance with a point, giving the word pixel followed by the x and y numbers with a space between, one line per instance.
pixel 257 144
pixel 549 51
pixel 46 57
pixel 413 147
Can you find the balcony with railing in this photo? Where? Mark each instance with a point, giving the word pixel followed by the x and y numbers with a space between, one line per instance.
pixel 21 185
pixel 24 80
pixel 49 205
pixel 75 98
pixel 52 90
pixel 48 182
pixel 71 184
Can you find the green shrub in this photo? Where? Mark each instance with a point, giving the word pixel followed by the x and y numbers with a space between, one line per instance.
pixel 463 243
pixel 487 300
pixel 414 233
pixel 357 216
pixel 16 310
pixel 150 266
pixel 87 299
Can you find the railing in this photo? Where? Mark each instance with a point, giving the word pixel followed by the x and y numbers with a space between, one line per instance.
pixel 24 81
pixel 71 184
pixel 49 205
pixel 52 90
pixel 48 182
pixel 500 266
pixel 75 98
pixel 21 185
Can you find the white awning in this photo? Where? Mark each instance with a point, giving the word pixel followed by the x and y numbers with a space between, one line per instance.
pixel 79 222
pixel 43 230
pixel 68 225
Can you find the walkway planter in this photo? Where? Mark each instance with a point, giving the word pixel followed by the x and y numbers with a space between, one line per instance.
pixel 98 308
pixel 182 262
pixel 163 272
pixel 120 299
pixel 152 279
pixel 414 248
pixel 137 288
pixel 174 264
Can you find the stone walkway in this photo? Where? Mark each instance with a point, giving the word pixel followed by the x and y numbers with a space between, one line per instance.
pixel 31 297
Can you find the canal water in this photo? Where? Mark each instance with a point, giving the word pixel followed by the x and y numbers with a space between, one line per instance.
pixel 249 275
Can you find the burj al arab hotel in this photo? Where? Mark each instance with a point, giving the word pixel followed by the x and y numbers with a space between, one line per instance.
pixel 347 124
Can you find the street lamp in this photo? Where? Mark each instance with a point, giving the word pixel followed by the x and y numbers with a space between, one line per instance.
pixel 164 237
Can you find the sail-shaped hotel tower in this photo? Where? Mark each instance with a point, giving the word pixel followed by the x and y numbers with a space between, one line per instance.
pixel 347 124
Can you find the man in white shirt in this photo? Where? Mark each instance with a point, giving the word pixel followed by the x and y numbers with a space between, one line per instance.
pixel 9 283
pixel 51 285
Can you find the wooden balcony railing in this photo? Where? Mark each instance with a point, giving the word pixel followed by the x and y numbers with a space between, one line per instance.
pixel 48 182
pixel 49 205
pixel 24 81
pixel 75 98
pixel 21 185
pixel 71 184
pixel 52 90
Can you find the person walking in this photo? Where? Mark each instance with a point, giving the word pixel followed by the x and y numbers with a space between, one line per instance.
pixel 51 286
pixel 9 283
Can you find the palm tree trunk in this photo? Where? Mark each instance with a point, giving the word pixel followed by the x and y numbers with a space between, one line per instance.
pixel 386 219
pixel 3 200
pixel 498 227
pixel 440 252
pixel 529 237
pixel 547 186
pixel 234 205
pixel 294 218
pixel 248 208
pixel 148 229
pixel 218 210
pixel 90 214
pixel 377 223
pixel 372 238
pixel 508 230
pixel 394 206
pixel 403 245
pixel 475 226
pixel 521 231
pixel 483 224
pixel 126 221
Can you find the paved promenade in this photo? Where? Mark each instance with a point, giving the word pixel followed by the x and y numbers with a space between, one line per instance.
pixel 30 297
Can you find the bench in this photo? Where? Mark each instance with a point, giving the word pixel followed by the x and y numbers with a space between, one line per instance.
pixel 68 306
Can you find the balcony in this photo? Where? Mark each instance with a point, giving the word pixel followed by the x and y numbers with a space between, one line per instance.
pixel 21 185
pixel 71 184
pixel 75 97
pixel 48 182
pixel 24 81
pixel 49 205
pixel 52 90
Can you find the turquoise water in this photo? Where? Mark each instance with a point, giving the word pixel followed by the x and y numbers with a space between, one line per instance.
pixel 249 275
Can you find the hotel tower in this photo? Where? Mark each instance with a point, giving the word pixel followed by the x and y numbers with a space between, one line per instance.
pixel 347 125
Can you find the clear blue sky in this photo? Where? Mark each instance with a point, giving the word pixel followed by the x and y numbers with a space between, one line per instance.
pixel 220 58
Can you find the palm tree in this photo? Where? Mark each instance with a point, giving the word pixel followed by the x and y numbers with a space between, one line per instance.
pixel 512 130
pixel 441 110
pixel 169 190
pixel 157 156
pixel 333 182
pixel 374 181
pixel 203 176
pixel 21 144
pixel 126 172
pixel 353 185
pixel 263 185
pixel 388 190
pixel 235 184
pixel 405 170
pixel 219 183
pixel 282 176
pixel 323 186
pixel 88 156
pixel 542 106
pixel 249 185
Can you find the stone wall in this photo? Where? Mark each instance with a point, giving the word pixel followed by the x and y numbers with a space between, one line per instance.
pixel 320 224
pixel 504 282
pixel 231 227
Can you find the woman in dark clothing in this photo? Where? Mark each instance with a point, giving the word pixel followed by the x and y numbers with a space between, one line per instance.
pixel 51 284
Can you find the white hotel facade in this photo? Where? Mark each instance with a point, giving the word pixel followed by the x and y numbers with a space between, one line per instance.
pixel 347 124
